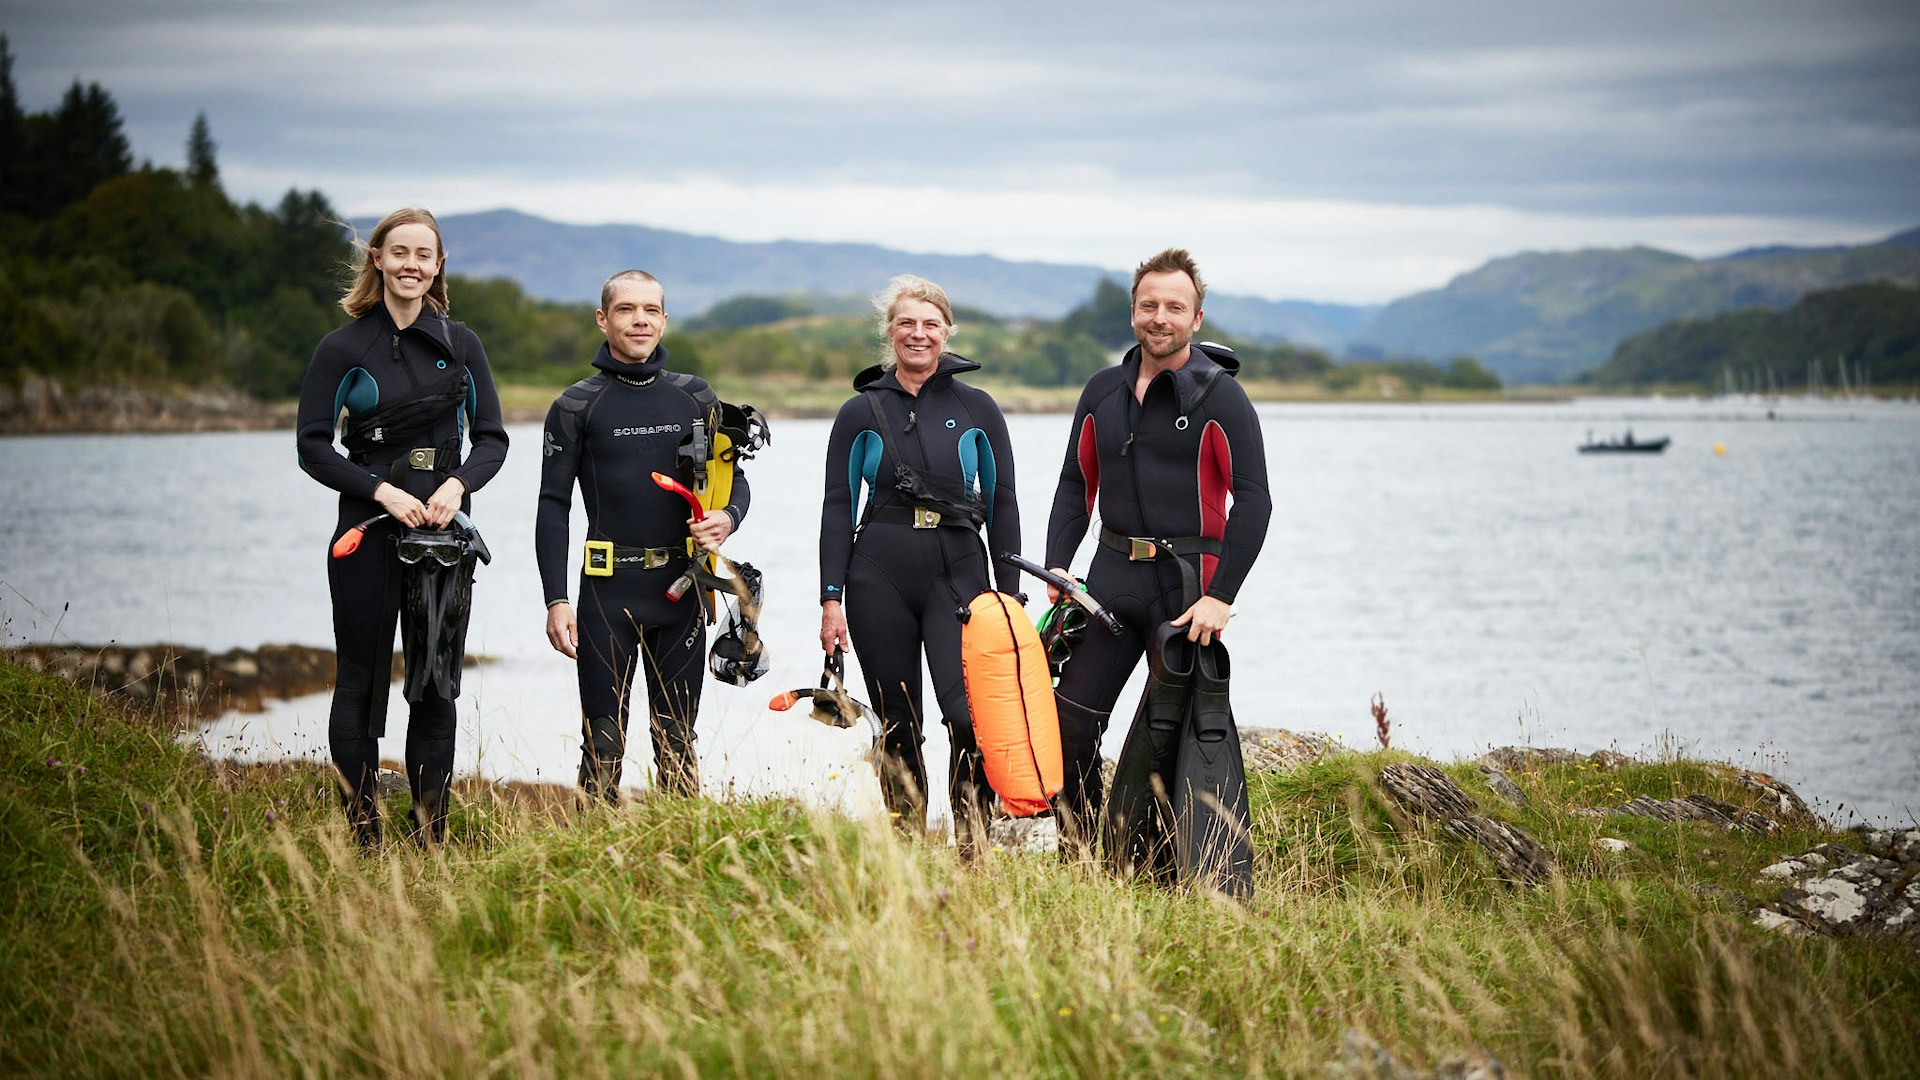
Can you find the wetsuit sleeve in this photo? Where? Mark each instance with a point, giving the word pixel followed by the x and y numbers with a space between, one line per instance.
pixel 322 393
pixel 741 495
pixel 836 504
pixel 1004 532
pixel 1246 530
pixel 559 466
pixel 484 427
pixel 1067 524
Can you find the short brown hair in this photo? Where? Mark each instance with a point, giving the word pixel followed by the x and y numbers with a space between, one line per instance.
pixel 367 287
pixel 606 290
pixel 1168 261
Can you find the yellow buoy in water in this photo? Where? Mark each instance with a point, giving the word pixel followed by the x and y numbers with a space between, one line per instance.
pixel 1719 449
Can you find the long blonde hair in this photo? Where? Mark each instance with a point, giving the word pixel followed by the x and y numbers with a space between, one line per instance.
pixel 367 287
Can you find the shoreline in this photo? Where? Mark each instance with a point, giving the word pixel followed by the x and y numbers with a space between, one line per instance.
pixel 42 406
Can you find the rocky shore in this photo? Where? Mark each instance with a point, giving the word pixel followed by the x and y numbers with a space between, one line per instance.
pixel 195 682
pixel 43 406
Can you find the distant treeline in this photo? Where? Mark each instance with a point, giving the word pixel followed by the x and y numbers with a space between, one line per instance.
pixel 1857 337
pixel 112 271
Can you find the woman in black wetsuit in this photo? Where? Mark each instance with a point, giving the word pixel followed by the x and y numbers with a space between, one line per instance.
pixel 410 384
pixel 896 571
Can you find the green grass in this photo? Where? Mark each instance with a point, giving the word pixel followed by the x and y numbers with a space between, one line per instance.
pixel 166 916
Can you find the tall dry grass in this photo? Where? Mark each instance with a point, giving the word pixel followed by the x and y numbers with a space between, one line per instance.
pixel 159 922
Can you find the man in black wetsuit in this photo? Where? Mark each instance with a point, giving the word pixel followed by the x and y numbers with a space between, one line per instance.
pixel 1159 446
pixel 609 433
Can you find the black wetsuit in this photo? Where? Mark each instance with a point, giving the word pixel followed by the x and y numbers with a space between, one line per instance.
pixel 901 586
pixel 610 432
pixel 359 367
pixel 1163 467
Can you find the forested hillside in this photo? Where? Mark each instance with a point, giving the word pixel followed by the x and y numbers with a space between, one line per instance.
pixel 1548 316
pixel 1858 337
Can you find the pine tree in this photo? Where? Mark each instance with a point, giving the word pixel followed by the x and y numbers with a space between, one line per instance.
pixel 202 170
pixel 13 138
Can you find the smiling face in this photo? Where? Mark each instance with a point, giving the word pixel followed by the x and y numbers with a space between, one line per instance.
pixel 1166 314
pixel 918 333
pixel 634 319
pixel 409 260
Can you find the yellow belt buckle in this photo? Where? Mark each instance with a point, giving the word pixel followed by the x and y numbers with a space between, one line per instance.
pixel 1142 549
pixel 599 559
pixel 924 518
pixel 421 458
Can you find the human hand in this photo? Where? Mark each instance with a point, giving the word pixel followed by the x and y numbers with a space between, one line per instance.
pixel 1206 619
pixel 445 502
pixel 562 631
pixel 403 507
pixel 1054 595
pixel 833 627
pixel 712 530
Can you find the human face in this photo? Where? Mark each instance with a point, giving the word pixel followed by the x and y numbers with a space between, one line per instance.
pixel 634 320
pixel 918 333
pixel 1166 314
pixel 408 260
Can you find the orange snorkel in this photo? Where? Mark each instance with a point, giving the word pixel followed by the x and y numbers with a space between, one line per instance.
pixel 349 541
pixel 682 490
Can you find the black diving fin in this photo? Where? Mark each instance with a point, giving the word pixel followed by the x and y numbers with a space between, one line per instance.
pixel 1138 823
pixel 1212 839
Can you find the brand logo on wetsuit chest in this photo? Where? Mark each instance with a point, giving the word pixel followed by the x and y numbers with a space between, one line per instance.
pixel 656 429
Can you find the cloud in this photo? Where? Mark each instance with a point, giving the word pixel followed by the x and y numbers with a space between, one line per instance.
pixel 1336 148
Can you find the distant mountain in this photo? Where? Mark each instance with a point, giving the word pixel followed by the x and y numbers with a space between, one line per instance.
pixel 1547 317
pixel 555 261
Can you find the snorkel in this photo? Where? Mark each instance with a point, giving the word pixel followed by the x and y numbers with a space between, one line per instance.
pixel 667 483
pixel 349 541
pixel 1069 589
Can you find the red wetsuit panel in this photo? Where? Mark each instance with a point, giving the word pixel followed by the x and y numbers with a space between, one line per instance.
pixel 1216 484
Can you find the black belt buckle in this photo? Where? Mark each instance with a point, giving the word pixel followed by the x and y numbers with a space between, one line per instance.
pixel 1141 549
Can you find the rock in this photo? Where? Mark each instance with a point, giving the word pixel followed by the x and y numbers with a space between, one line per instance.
pixel 1698 808
pixel 1036 835
pixel 1363 1058
pixel 1613 844
pixel 193 680
pixel 1502 785
pixel 1840 892
pixel 1785 801
pixel 1900 845
pixel 1427 792
pixel 1530 758
pixel 1276 749
pixel 1768 919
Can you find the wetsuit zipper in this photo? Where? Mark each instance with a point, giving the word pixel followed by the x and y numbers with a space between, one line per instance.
pixel 412 379
pixel 1134 411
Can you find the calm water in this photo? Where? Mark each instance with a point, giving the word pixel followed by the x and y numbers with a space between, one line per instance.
pixel 1463 561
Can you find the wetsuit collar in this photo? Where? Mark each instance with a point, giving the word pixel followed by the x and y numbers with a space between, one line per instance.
pixel 1190 379
pixel 887 378
pixel 430 323
pixel 641 372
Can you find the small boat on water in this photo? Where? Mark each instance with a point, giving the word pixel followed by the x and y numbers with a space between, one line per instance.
pixel 1626 444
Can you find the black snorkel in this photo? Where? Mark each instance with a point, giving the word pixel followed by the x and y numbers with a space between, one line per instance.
pixel 1068 587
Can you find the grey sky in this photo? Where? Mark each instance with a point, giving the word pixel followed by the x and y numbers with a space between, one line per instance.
pixel 1351 150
